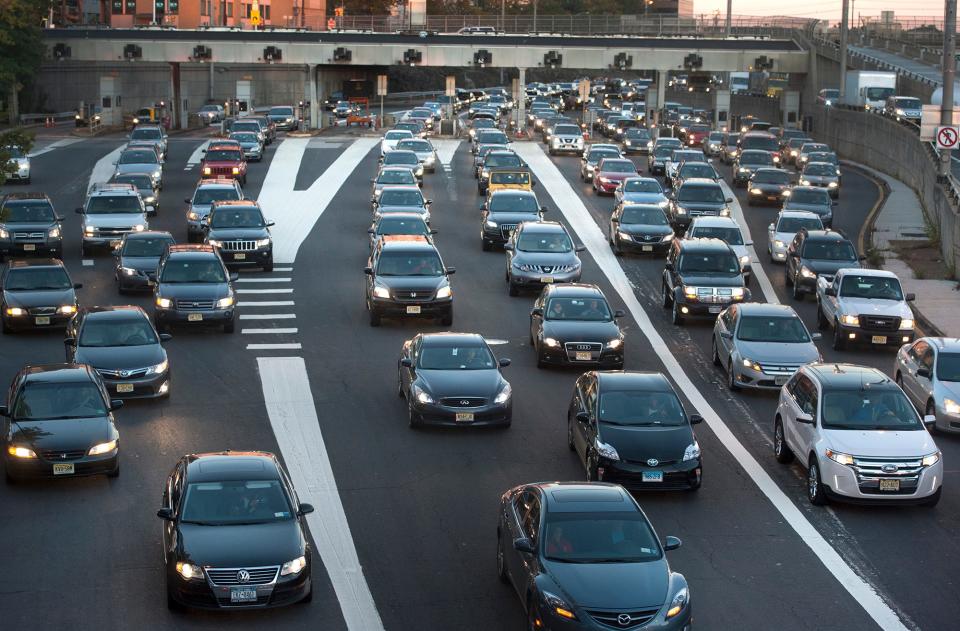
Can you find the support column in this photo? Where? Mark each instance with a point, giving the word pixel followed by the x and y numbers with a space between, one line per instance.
pixel 659 94
pixel 211 97
pixel 844 28
pixel 790 109
pixel 721 109
pixel 949 75
pixel 316 96
pixel 522 101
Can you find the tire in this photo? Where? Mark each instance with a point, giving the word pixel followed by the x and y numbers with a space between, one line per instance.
pixel 933 500
pixel 513 290
pixel 172 604
pixel 731 377
pixel 400 392
pixel 412 421
pixel 570 444
pixel 822 322
pixel 268 267
pixel 501 562
pixel 780 449
pixel 676 316
pixel 447 320
pixel 715 355
pixel 309 597
pixel 374 318
pixel 665 297
pixel 787 278
pixel 838 342
pixel 116 471
pixel 486 246
pixel 815 492
pixel 797 293
pixel 229 327
pixel 5 327
pixel 592 474
pixel 615 244
pixel 931 409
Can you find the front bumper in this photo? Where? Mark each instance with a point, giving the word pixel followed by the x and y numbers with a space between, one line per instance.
pixel 585 621
pixel 147 387
pixel 857 335
pixel 41 467
pixel 565 147
pixel 202 594
pixel 433 308
pixel 697 309
pixel 194 316
pixel 633 245
pixel 746 377
pixel 676 475
pixel 490 414
pixel 841 482
pixel 52 247
pixel 33 322
pixel 539 279
pixel 19 174
pixel 247 258
pixel 560 356
pixel 766 197
pixel 253 154
pixel 607 187
pixel 105 240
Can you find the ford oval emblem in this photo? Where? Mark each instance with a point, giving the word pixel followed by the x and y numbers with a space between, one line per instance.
pixel 889 468
pixel 243 576
pixel 653 462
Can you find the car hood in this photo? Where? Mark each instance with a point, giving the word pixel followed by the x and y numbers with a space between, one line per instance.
pixel 426 283
pixel 29 226
pixel 612 586
pixel 238 234
pixel 115 220
pixel 828 267
pixel 820 209
pixel 120 357
pixel 545 258
pixel 201 209
pixel 65 434
pixel 710 206
pixel 194 291
pixel 511 218
pixel 769 187
pixel 638 444
pixel 249 145
pixel 457 383
pixel 402 209
pixel 711 280
pixel 820 178
pixel 252 545
pixel 644 198
pixel 890 444
pixel 641 228
pixel 141 263
pixel 39 297
pixel 876 306
pixel 145 167
pixel 581 331
pixel 779 352
pixel 617 177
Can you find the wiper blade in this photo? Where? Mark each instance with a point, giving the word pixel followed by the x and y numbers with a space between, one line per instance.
pixel 198 522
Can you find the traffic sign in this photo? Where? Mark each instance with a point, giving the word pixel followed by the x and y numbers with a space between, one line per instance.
pixel 451 86
pixel 381 85
pixel 948 137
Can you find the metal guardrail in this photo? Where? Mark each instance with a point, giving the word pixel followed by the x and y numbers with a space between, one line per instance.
pixel 834 46
pixel 39 118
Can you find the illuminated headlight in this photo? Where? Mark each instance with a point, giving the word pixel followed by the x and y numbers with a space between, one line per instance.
pixel 832 185
pixel 590 168
pixel 806 272
pixel 16 311
pixel 786 193
pixel 164 303
pixel 690 292
pixel 776 158
pixel 805 182
pixel 77 116
pixel 139 227
pixel 214 242
pixel 293 567
pixel 838 172
pixel 552 343
pixel 20 452
pixel 829 102
pixel 683 130
pixel 951 407
pixel 445 292
pixel 931 459
pixel 756 191
pixel 223 303
pixel 744 260
pixel 667 237
pixel 605 450
pixel 899 112
pixel 793 154
pixel 692 140
pixel 422 395
pixel 614 344
pixel 678 603
pixel 732 153
pixel 136 121
pixel 102 448
pixel 6 235
pixel 649 144
pixel 429 160
pixel 289 120
pixel 504 395
pixel 724 212
pixel 850 320
pixel 692 452
pixel 235 170
pixel 67 309
pixel 737 293
pixel 89 230
pixel 150 199
pixel 189 571
pixel 681 210
pixel 262 243
pixel 743 170
pixel 128 271
pixel 752 365
pixel 663 204
pixel 490 224
pixel 559 606
pixel 906 324
pixel 780 244
pixel 207 171
pixel 472 133
pixel 192 216
pixel 381 292
pixel 419 170
pixel 836 456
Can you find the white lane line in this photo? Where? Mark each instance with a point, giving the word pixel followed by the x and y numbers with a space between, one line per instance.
pixel 266 279
pixel 274 347
pixel 282 269
pixel 88 262
pixel 264 291
pixel 758 272
pixel 265 303
pixel 277 194
pixel 268 331
pixel 59 144
pixel 446 148
pixel 196 156
pixel 293 416
pixel 104 168
pixel 268 316
pixel 589 233
pixel 248 270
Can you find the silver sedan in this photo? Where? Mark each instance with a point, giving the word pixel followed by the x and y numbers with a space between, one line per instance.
pixel 928 370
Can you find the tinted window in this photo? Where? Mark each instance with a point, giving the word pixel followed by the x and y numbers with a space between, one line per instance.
pixel 700 194
pixel 113 204
pixel 471 357
pixel 765 143
pixel 593 309
pixel 401 197
pixel 709 263
pixel 503 160
pixel 244 136
pixel 145 247
pixel 697 169
pixel 756 158
pixel 146 133
pixel 596 155
pixel 37 278
pixel 509 177
pixel 142 181
pixel 772 329
pixel 948 366
pixel 397 134
pixel 139 157
pixel 401 157
pixel 514 203
pixel 879 288
pixel 204 196
pixel 409 264
pixel 794 224
pixel 235 502
pixel 414 145
pixel 223 155
pixel 567 129
pixel 236 218
pixel 397 176
pixel 643 215
pixel 281 111
pixel 886 409
pixel 641 407
pixel 772 177
pixel 394 225
pixel 38 210
pixel 618 166
pixel 829 251
pixel 193 271
pixel 820 169
pixel 616 537
pixel 810 196
pixel 135 331
pixel 642 186
pixel 544 242
pixel 730 235
pixel 56 400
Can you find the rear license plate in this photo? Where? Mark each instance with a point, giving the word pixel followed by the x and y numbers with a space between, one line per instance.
pixel 243 595
pixel 240 256
pixel 194 317
pixel 879 339
pixel 713 309
pixel 63 468
pixel 885 485
pixel 40 320
pixel 124 387
pixel 781 380
pixel 583 356
pixel 647 248
pixel 464 417
pixel 547 279
pixel 29 247
pixel 413 309
pixel 652 476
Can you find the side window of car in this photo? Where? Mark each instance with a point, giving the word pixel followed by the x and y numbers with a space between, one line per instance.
pixel 531 521
pixel 916 351
pixel 729 319
pixel 801 393
pixel 926 359
pixel 590 397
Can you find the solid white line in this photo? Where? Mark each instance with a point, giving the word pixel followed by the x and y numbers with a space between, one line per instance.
pixel 759 273
pixel 268 316
pixel 274 347
pixel 446 148
pixel 196 156
pixel 264 291
pixel 104 168
pixel 267 331
pixel 282 269
pixel 589 233
pixel 293 416
pixel 59 144
pixel 266 279
pixel 88 262
pixel 265 303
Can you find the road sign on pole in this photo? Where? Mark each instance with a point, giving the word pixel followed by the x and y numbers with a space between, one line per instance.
pixel 381 85
pixel 948 137
pixel 451 86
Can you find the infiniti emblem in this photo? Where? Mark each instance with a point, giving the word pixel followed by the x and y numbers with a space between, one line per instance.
pixel 464 402
pixel 624 619
pixel 653 462
pixel 243 576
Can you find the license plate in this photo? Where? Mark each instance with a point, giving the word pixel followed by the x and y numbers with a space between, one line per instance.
pixel 42 320
pixel 772 198
pixel 885 485
pixel 583 356
pixel 646 248
pixel 243 595
pixel 124 387
pixel 413 309
pixel 652 476
pixel 713 309
pixel 240 256
pixel 781 380
pixel 879 339
pixel 194 317
pixel 464 417
pixel 63 468
pixel 547 279
pixel 29 247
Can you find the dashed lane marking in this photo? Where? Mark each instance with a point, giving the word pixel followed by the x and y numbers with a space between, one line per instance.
pixel 266 279
pixel 293 346
pixel 264 291
pixel 265 303
pixel 268 331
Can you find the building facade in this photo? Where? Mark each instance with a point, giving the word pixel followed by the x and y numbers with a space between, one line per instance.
pixel 195 13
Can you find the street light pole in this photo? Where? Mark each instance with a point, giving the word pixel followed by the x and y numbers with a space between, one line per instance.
pixel 949 73
pixel 503 14
pixel 844 27
pixel 729 20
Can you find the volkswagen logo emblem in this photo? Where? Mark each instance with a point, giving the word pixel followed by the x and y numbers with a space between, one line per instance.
pixel 624 619
pixel 889 468
pixel 464 402
pixel 196 304
pixel 653 462
pixel 243 576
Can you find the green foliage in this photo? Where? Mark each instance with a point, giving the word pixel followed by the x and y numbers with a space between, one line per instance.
pixel 21 44
pixel 18 138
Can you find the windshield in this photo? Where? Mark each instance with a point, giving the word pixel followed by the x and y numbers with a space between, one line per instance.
pixel 765 143
pixel 642 186
pixel 414 145
pixel 509 177
pixel 820 169
pixel 236 218
pixel 544 242
pixel 281 111
pixel 411 127
pixel 948 366
pixel 147 247
pixel 809 196
pixel 401 197
pixel 878 94
pixel 641 407
pixel 638 134
pixel 591 309
pixel 27 211
pixel 909 103
pixel 731 235
pixel 244 136
pixel 37 278
pixel 831 94
pixel 139 156
pixel 688 156
pixel 829 251
pixel 483 123
pixel 874 287
pixel 205 196
pixel 193 271
pixel 41 400
pixel 596 156
pixel 709 263
pixel 398 134
pixel 772 329
pixel 700 194
pixel 492 138
pixel 771 177
pixel 136 331
pixel 210 108
pixel 393 225
pixel 223 155
pixel 794 224
pixel 456 358
pixel 397 176
pixel 885 409
pixel 732 139
pixel 401 157
pixel 253 126
pixel 425 263
pixel 756 158
pixel 618 166
pixel 514 204
pixel 812 147
pixel 503 160
pixel 662 152
pixel 567 129
pixel 140 180
pixel 599 537
pixel 114 204
pixel 823 156
pixel 645 215
pixel 697 169
pixel 146 133
pixel 235 502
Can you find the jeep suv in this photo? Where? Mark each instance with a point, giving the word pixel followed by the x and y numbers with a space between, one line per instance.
pixel 224 159
pixel 193 286
pixel 505 210
pixel 701 278
pixel 206 193
pixel 111 211
pixel 406 277
pixel 30 225
pixel 240 234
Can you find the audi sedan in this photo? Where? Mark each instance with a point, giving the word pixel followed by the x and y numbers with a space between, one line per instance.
pixel 572 324
pixel 453 379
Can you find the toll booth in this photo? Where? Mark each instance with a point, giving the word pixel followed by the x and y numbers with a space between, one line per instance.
pixel 244 97
pixel 721 109
pixel 790 108
pixel 110 101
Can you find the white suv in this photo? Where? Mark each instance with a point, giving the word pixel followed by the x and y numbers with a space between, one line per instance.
pixel 858 435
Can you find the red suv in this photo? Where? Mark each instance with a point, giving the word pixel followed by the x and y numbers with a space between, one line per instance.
pixel 224 159
pixel 695 135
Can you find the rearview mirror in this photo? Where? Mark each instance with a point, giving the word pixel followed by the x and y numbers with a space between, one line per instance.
pixel 304 509
pixel 924 372
pixel 805 418
pixel 70 341
pixel 695 419
pixel 830 291
pixel 79 211
pixel 672 543
pixel 911 297
pixel 508 247
pixel 504 362
pixel 186 199
pixel 536 311
pixel 371 231
pixel 668 266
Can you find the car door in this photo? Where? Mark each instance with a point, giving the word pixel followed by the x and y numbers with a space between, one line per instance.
pixel 796 402
pixel 908 370
pixel 587 427
pixel 515 518
pixel 577 406
pixel 924 383
pixel 529 567
pixel 830 304
pixel 409 373
pixel 793 255
pixel 171 499
pixel 670 270
pixel 807 432
pixel 536 316
pixel 727 328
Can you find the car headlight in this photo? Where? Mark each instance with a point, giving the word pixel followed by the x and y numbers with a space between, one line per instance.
pixel 850 320
pixel 690 292
pixel 906 324
pixel 139 227
pixel 681 210
pixel 214 242
pixel 293 567
pixel 102 448
pixel 836 456
pixel 732 153
pixel 444 292
pixel 419 170
pixel 805 182
pixel 128 271
pixel 951 407
pixel 756 191
pixel 262 243
pixel 663 204
pixel 649 144
pixel 4 234
pixel 159 368
pixel 776 158
pixel 752 365
pixel 605 450
pixel 20 452
pixel 737 292
pixel 931 459
pixel 504 394
pixel 780 244
pixel 88 230
pixel 192 216
pixel 899 112
pixel 786 193
pixel 16 311
pixel 67 309
pixel 678 603
pixel 53 233
pixel 188 571
pixel 627 142
pixel 422 395
pixel 615 343
pixel 551 342
pixel 164 303
pixel 692 452
pixel 490 224
pixel 668 237
pixel 724 212
pixel 828 102
pixel 381 292
pixel 559 606
pixel 223 303
pixel 743 170
pixel 744 260
pixel 806 272
pixel 235 170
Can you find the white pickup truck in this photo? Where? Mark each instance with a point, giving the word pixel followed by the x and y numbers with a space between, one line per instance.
pixel 866 306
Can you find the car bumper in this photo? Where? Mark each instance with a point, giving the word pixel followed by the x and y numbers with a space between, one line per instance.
pixel 856 335
pixel 41 467
pixel 746 377
pixel 20 248
pixel 607 187
pixel 676 475
pixel 201 595
pixel 436 414
pixel 21 174
pixel 946 422
pixel 149 387
pixel 708 309
pixel 537 279
pixel 841 482
pixel 566 148
pixel 136 282
pixel 427 309
pixel 559 356
pixel 253 155
pixel 253 258
pixel 655 247
pixel 766 197
pixel 585 622
pixel 103 241
pixel 31 322
pixel 206 316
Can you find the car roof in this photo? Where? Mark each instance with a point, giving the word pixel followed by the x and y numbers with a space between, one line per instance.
pixel 24 196
pixel 824 235
pixel 810 188
pixel 586 497
pixel 113 188
pixel 543 226
pixel 48 262
pixel 217 182
pixel 402 216
pixel 876 273
pixel 801 214
pixel 716 222
pixel 238 203
pixel 61 373
pixel 700 244
pixel 829 165
pixel 191 249
pixel 410 245
pixel 951 344
pixel 697 182
pixel 634 380
pixel 447 338
pixel 766 309
pixel 147 234
pixel 571 290
pixel 848 376
pixel 228 465
pixel 770 170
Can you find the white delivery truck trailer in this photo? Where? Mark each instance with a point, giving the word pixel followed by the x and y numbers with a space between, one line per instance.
pixel 868 89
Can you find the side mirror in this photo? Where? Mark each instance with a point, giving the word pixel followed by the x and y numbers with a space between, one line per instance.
pixel 165 337
pixel 911 297
pixel 508 247
pixel 771 228
pixel 483 206
pixel 79 211
pixel 504 362
pixel 534 183
pixel 165 514
pixel 304 509
pixel 668 266
pixel 536 311
pixel 428 202
pixel 695 419
pixel 116 404
pixel 861 258
pixel 579 248
pixel 816 336
pixel 834 203
pixel 451 270
pixel 371 231
pixel 373 199
pixel 4 411
pixel 727 335
pixel 270 224
pixel 433 231
pixel 116 252
pixel 619 313
pixel 186 200
pixel 729 200
pixel 544 209
pixel 672 543
pixel 924 372
pixel 406 362
pixel 368 271
pixel 583 417
pixel 522 544
pixel 804 418
pixel 830 291
pixel 234 277
pixel 929 421
pixel 70 341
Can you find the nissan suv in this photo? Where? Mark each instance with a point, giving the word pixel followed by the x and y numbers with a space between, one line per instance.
pixel 701 278
pixel 111 211
pixel 541 253
pixel 30 225
pixel 407 277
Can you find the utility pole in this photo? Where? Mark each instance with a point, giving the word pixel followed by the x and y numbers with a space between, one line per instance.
pixel 844 26
pixel 949 72
pixel 503 19
pixel 534 16
pixel 727 26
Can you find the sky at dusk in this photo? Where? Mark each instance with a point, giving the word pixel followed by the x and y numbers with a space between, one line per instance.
pixel 825 9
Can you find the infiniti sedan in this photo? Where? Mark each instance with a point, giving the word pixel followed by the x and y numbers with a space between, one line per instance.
pixel 453 379
pixel 572 324
pixel 539 254
pixel 639 228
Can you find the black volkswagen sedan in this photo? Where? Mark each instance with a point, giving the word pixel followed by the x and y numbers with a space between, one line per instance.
pixel 138 256
pixel 572 324
pixel 239 232
pixel 630 428
pixel 122 345
pixel 453 379
pixel 234 534
pixel 59 423
pixel 37 294
pixel 193 286
pixel 584 556
pixel 639 228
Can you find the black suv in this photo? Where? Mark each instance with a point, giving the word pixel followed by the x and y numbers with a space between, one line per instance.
pixel 30 225
pixel 406 277
pixel 503 212
pixel 815 252
pixel 496 158
pixel 697 197
pixel 701 278
pixel 240 234
pixel 193 286
pixel 37 294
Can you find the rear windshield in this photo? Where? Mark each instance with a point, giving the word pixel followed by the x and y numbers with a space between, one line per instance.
pixel 150 247
pixel 731 235
pixel 400 226
pixel 401 197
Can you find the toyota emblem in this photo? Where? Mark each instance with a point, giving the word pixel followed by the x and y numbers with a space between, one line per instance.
pixel 624 619
pixel 124 373
pixel 243 576
pixel 653 462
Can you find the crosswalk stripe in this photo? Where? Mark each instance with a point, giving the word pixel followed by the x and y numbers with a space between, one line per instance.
pixel 268 331
pixel 264 291
pixel 274 347
pixel 267 316
pixel 265 303
pixel 263 280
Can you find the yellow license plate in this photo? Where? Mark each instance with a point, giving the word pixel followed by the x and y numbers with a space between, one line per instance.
pixel 240 256
pixel 584 356
pixel 194 317
pixel 413 309
pixel 879 339
pixel 29 247
pixel 464 417
pixel 889 485
pixel 124 387
pixel 40 320
pixel 547 279
pixel 63 468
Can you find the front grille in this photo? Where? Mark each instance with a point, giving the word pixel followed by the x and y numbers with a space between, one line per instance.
pixel 17 236
pixel 879 323
pixel 623 619
pixel 720 295
pixel 221 170
pixel 238 246
pixel 231 576
pixel 122 374
pixel 550 269
pixel 42 311
pixel 194 304
pixel 113 232
pixel 417 295
pixel 779 369
pixel 594 348
pixel 63 454
pixel 703 213
pixel 870 471
pixel 506 229
pixel 463 402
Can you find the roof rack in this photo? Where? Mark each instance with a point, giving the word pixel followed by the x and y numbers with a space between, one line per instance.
pixel 112 186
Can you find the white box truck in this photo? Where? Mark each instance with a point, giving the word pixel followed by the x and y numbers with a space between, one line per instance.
pixel 868 89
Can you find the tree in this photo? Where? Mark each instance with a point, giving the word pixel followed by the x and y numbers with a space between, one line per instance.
pixel 17 138
pixel 362 7
pixel 21 45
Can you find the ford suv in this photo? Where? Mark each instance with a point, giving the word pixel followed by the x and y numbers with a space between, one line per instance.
pixel 30 225
pixel 111 211
pixel 866 306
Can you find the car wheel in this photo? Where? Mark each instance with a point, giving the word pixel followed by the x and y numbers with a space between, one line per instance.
pixel 815 490
pixel 838 342
pixel 797 292
pixel 931 408
pixel 172 604
pixel 780 449
pixel 787 278
pixel 412 421
pixel 677 316
pixel 533 622
pixel 229 327
pixel 116 471
pixel 593 475
pixel 933 500
pixel 715 355
pixel 309 597
pixel 5 327
pixel 447 320
pixel 486 245
pixel 268 266
pixel 514 289
pixel 731 376
pixel 617 250
pixel 570 434
pixel 665 297
pixel 501 563
pixel 84 250
pixel 822 323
